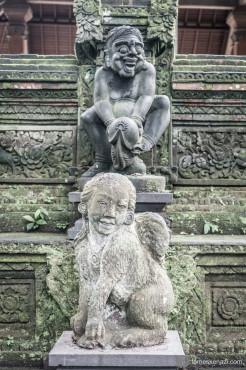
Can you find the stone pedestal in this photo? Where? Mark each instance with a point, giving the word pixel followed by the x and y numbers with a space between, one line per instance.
pixel 142 183
pixel 169 355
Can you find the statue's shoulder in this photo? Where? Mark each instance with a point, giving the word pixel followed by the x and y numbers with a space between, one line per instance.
pixel 149 68
pixel 103 72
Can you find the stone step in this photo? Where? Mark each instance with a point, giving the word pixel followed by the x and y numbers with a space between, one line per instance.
pixel 14 221
pixel 194 59
pixel 31 208
pixel 194 222
pixel 224 201
pixel 200 67
pixel 209 207
pixel 34 58
pixel 38 67
pixel 153 198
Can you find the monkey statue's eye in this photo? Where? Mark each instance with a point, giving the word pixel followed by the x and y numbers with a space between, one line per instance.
pixel 103 202
pixel 123 49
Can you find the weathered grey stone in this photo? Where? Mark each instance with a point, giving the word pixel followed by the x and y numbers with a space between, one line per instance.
pixel 125 294
pixel 170 354
pixel 127 119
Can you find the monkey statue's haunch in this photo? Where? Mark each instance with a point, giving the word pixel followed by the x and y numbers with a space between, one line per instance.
pixel 125 295
pixel 127 118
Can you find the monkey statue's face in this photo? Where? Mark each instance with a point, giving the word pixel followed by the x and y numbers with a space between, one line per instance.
pixel 126 56
pixel 107 209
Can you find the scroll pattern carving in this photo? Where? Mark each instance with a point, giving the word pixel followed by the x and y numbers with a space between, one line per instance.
pixel 211 155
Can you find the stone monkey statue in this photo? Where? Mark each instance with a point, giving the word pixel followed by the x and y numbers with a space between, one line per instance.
pixel 127 118
pixel 121 269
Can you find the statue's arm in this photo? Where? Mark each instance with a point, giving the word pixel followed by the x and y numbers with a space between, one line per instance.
pixel 146 93
pixel 114 263
pixel 101 97
pixel 95 327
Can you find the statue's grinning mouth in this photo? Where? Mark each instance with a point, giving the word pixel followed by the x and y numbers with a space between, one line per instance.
pixel 107 222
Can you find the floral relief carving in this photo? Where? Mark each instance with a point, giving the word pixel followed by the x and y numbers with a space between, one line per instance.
pixel 14 303
pixel 210 155
pixel 35 154
pixel 229 306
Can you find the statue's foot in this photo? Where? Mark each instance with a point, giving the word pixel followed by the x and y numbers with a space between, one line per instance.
pixel 137 167
pixel 145 145
pixel 85 342
pixel 137 337
pixel 97 168
pixel 77 323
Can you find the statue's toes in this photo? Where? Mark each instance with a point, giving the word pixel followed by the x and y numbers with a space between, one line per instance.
pixel 123 340
pixel 85 343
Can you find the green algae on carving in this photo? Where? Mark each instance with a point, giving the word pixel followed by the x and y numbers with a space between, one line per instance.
pixel 210 153
pixel 62 281
pixel 162 18
pixel 88 19
pixel 203 319
pixel 19 200
pixel 35 316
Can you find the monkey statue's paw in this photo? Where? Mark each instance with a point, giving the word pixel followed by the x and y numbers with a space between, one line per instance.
pixel 94 334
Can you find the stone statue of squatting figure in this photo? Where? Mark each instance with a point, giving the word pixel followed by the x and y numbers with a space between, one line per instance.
pixel 121 266
pixel 127 118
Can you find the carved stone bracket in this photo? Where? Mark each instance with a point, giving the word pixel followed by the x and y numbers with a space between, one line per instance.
pixel 162 18
pixel 89 29
pixel 237 38
pixel 18 14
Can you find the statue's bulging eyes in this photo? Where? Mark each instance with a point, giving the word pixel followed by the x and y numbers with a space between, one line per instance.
pixel 139 49
pixel 123 50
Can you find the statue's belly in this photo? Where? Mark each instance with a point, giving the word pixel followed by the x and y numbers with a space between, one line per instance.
pixel 123 108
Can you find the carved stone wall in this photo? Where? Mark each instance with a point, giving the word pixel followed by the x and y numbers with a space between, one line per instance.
pixel 210 307
pixel 38 294
pixel 33 312
pixel 209 106
pixel 38 117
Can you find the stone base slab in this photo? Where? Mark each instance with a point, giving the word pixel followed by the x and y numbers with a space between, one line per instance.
pixel 169 355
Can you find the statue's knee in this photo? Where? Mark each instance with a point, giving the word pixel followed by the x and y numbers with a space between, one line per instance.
pixel 163 102
pixel 85 118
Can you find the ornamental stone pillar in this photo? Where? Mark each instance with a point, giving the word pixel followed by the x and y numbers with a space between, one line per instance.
pixel 237 38
pixel 18 14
